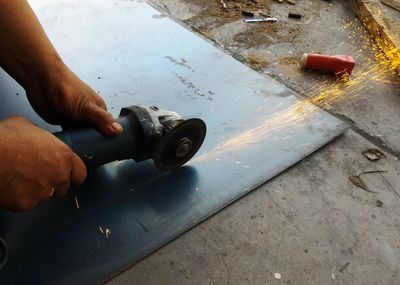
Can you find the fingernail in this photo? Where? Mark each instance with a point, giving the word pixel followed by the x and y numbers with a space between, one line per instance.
pixel 116 127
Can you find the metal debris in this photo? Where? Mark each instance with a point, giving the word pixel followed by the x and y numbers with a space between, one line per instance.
pixel 248 14
pixel 357 181
pixel 373 154
pixel 108 232
pixel 263 19
pixel 224 5
pixel 390 187
pixel 278 275
pixel 372 172
pixel 76 202
pixel 344 267
pixel 257 61
pixel 105 231
pixel 379 203
pixel 295 15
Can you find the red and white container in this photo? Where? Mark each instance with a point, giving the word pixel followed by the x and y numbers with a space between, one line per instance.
pixel 337 64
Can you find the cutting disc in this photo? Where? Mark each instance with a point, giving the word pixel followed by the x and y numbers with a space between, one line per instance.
pixel 180 144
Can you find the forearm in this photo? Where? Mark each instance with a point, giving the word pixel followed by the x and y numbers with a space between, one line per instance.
pixel 25 51
pixel 54 91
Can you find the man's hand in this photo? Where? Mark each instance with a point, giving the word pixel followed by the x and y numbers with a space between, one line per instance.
pixel 54 91
pixel 62 98
pixel 34 165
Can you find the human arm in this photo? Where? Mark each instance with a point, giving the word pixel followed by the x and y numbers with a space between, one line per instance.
pixel 34 164
pixel 53 90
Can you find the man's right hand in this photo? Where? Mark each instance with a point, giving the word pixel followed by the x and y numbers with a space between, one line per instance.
pixel 34 165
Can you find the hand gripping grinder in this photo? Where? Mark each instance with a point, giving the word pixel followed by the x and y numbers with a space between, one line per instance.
pixel 149 133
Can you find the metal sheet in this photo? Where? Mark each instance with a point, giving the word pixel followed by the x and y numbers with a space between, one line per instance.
pixel 131 54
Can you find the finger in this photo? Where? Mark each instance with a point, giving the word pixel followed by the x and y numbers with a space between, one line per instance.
pixel 100 118
pixel 36 197
pixel 98 99
pixel 60 190
pixel 47 193
pixel 24 201
pixel 24 205
pixel 78 171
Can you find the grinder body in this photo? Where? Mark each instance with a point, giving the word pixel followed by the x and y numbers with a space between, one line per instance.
pixel 96 149
pixel 145 128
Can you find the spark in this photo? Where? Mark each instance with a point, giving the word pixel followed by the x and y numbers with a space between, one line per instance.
pixel 324 94
pixel 289 118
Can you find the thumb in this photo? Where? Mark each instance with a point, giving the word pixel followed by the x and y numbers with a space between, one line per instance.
pixel 101 119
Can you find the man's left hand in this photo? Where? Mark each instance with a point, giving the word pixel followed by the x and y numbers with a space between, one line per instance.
pixel 66 100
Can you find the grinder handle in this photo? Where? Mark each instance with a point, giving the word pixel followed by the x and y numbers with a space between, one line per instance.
pixel 96 149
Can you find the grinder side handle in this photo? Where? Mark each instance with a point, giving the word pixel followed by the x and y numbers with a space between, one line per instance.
pixel 96 149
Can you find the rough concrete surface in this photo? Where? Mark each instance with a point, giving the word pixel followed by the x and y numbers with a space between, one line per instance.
pixel 328 27
pixel 311 224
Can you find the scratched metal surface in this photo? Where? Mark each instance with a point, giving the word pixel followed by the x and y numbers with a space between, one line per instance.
pixel 132 55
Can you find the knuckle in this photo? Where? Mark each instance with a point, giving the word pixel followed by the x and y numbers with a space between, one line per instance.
pixel 100 102
pixel 104 117
pixel 63 190
pixel 64 149
pixel 64 94
pixel 83 108
pixel 65 160
pixel 64 152
pixel 62 178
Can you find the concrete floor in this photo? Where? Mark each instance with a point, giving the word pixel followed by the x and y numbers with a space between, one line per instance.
pixel 310 224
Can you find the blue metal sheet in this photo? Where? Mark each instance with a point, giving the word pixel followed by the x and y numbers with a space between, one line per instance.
pixel 131 55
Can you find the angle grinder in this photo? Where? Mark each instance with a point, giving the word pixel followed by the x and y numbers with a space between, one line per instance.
pixel 149 133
